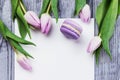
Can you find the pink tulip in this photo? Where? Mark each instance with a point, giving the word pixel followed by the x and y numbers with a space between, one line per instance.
pixel 85 14
pixel 32 19
pixel 94 44
pixel 23 62
pixel 46 23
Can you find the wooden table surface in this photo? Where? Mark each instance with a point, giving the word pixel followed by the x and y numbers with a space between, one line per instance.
pixel 106 70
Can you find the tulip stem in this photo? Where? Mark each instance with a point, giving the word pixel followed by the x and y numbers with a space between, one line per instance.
pixel 15 50
pixel 32 27
pixel 23 8
pixel 99 34
pixel 48 9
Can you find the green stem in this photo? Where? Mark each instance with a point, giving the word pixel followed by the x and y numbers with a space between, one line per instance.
pixel 23 8
pixel 15 50
pixel 32 27
pixel 48 9
pixel 99 34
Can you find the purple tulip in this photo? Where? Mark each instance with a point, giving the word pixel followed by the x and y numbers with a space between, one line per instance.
pixel 94 44
pixel 85 14
pixel 23 62
pixel 46 23
pixel 32 19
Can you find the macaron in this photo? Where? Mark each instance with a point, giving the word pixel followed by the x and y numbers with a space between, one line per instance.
pixel 71 29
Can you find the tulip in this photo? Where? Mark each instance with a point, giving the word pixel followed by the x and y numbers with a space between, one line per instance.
pixel 85 14
pixel 32 19
pixel 23 62
pixel 94 44
pixel 46 23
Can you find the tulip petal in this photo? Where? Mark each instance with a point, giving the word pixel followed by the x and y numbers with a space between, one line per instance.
pixel 45 23
pixel 32 19
pixel 35 17
pixel 48 27
pixel 94 44
pixel 23 62
pixel 85 14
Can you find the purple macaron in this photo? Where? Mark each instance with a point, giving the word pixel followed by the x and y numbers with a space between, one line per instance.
pixel 71 29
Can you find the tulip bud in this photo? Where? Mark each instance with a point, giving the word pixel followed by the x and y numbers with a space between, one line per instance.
pixel 94 44
pixel 46 23
pixel 23 62
pixel 85 13
pixel 32 19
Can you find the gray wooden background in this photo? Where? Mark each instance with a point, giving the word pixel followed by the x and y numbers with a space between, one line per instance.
pixel 106 70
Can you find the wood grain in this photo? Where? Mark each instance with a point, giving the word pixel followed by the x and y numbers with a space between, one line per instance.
pixel 106 70
pixel 6 53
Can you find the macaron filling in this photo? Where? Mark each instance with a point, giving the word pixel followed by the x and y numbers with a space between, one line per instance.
pixel 74 24
pixel 69 33
pixel 71 29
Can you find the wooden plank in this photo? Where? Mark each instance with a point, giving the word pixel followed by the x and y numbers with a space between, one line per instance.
pixel 6 53
pixel 7 67
pixel 107 69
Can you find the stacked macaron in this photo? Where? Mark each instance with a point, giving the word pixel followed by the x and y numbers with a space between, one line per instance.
pixel 71 29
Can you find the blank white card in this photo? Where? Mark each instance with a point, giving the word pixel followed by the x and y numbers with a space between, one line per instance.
pixel 59 58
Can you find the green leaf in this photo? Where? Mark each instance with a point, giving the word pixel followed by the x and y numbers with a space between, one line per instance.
pixel 20 15
pixel 101 11
pixel 97 54
pixel 14 4
pixel 105 44
pixel 22 30
pixel 108 25
pixel 18 47
pixel 7 33
pixel 119 8
pixel 55 8
pixel 12 36
pixel 2 29
pixel 14 40
pixel 44 6
pixel 79 4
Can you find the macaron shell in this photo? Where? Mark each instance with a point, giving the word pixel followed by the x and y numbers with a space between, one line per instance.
pixel 73 24
pixel 69 33
pixel 71 28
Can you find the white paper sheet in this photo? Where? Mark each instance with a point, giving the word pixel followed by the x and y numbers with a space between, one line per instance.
pixel 59 58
